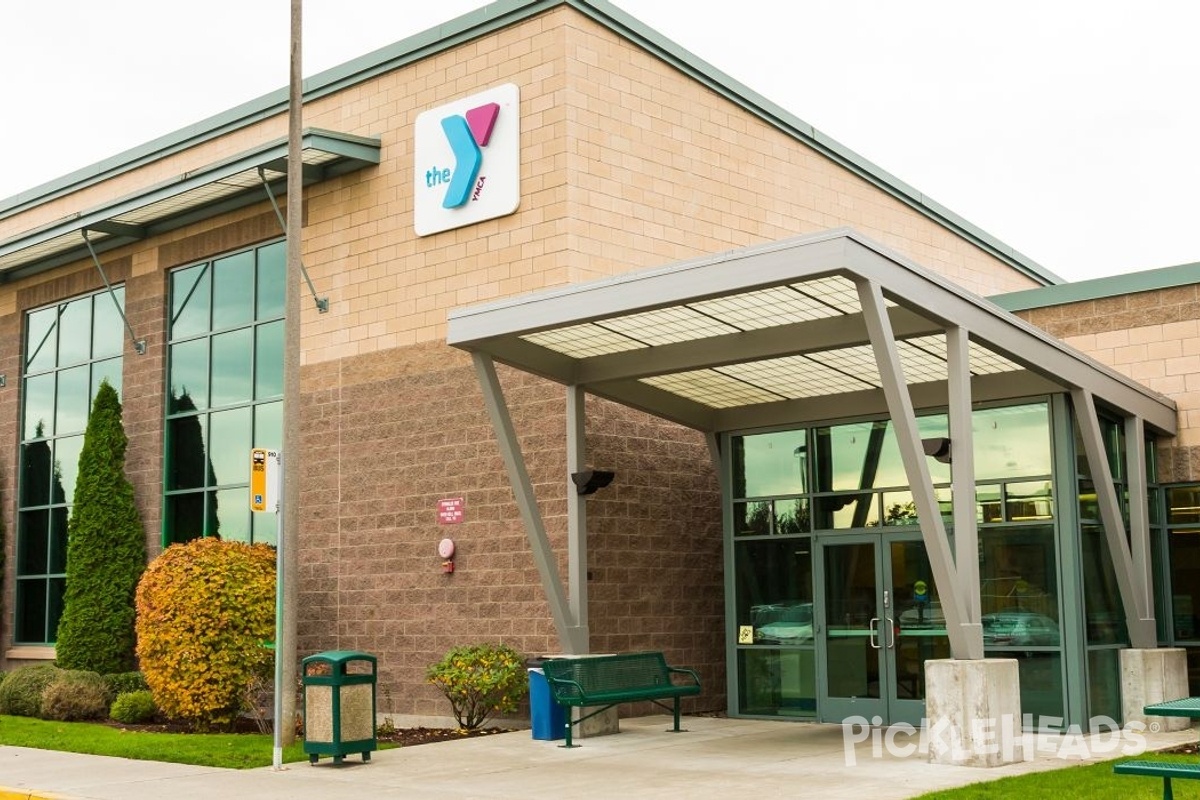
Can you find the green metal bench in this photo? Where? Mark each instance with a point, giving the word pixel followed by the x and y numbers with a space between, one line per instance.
pixel 610 680
pixel 1160 769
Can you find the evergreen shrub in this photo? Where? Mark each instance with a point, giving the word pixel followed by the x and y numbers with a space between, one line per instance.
pixel 75 695
pixel 134 708
pixel 106 550
pixel 122 682
pixel 205 610
pixel 21 692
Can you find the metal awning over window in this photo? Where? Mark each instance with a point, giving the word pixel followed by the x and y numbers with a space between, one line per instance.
pixel 193 196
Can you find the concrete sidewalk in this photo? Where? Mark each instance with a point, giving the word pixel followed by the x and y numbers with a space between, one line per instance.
pixel 716 758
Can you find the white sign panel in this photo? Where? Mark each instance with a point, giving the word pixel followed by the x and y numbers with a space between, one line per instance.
pixel 467 161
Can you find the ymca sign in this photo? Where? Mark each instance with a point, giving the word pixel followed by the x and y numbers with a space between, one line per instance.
pixel 467 161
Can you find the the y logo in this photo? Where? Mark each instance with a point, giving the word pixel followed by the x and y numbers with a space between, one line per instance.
pixel 467 161
pixel 466 135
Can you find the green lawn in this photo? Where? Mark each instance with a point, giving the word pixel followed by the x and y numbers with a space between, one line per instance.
pixel 1094 782
pixel 233 750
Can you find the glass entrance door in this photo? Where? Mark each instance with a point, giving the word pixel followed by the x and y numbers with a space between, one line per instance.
pixel 882 621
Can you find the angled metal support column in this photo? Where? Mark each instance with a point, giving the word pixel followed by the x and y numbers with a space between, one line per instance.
pixel 1135 589
pixel 965 642
pixel 1139 511
pixel 962 453
pixel 322 302
pixel 518 476
pixel 577 553
pixel 139 345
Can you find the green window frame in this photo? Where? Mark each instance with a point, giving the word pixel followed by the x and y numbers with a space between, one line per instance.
pixel 224 393
pixel 69 348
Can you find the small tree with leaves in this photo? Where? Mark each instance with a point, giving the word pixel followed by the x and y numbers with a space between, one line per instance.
pixel 106 550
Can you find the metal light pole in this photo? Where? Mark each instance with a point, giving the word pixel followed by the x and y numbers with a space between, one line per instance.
pixel 288 539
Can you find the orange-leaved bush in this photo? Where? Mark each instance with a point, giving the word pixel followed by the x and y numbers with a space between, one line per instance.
pixel 204 611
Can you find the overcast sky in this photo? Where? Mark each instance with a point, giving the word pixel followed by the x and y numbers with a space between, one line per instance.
pixel 1070 130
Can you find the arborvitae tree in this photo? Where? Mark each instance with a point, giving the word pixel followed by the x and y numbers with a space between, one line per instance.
pixel 106 552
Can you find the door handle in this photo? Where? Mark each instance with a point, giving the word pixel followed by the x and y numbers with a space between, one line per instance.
pixel 874 637
pixel 891 633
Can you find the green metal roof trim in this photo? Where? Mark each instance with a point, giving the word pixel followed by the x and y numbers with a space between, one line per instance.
pixel 1098 288
pixel 218 188
pixel 496 16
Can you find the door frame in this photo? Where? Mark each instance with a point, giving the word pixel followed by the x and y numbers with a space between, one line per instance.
pixel 888 708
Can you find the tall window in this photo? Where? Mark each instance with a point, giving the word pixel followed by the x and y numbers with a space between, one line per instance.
pixel 225 392
pixel 69 349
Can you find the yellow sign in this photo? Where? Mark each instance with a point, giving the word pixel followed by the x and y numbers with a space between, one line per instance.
pixel 264 479
pixel 745 634
pixel 920 588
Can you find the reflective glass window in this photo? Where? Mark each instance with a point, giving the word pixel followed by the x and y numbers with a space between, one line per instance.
pixel 1012 441
pixel 226 368
pixel 270 281
pixel 108 329
pixel 189 376
pixel 74 400
pixel 190 301
pixel 770 464
pixel 74 331
pixel 68 349
pixel 39 406
pixel 232 368
pixel 1183 547
pixel 233 290
pixel 268 366
pixel 41 340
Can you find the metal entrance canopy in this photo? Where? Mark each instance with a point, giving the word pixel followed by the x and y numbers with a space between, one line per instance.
pixel 819 327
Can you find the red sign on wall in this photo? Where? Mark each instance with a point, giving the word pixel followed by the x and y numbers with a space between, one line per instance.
pixel 450 511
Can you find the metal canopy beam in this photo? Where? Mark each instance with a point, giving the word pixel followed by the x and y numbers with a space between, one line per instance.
pixel 1012 337
pixel 966 639
pixel 543 555
pixel 1136 597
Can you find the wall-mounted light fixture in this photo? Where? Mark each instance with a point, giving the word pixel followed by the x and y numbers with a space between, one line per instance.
pixel 937 448
pixel 589 481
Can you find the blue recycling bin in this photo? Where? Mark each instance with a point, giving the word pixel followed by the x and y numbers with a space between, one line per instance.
pixel 547 718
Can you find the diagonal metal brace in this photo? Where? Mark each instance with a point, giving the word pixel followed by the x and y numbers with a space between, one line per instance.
pixel 138 344
pixel 322 302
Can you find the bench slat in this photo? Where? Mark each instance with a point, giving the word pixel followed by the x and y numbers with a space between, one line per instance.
pixel 1159 769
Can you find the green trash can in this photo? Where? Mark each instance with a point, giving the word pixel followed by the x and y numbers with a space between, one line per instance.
pixel 339 705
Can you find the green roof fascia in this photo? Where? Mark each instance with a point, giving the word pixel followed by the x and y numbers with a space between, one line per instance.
pixel 1099 288
pixel 496 16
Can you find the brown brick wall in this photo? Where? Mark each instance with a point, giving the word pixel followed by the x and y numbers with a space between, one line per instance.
pixel 389 434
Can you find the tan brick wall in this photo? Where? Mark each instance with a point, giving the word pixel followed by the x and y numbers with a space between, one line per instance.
pixel 1152 337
